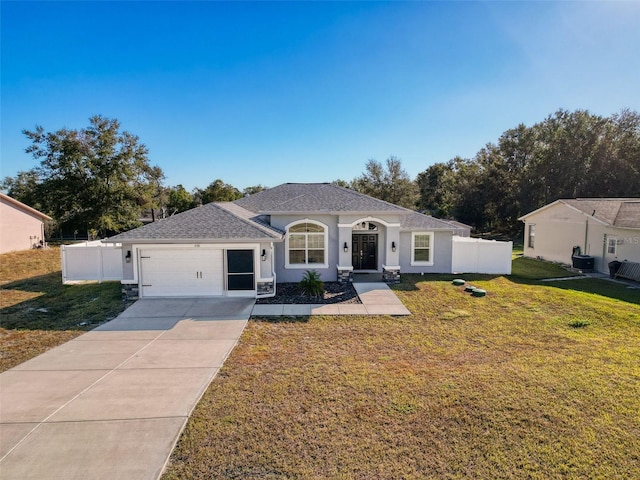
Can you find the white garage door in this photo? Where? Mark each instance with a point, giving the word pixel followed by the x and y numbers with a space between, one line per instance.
pixel 189 272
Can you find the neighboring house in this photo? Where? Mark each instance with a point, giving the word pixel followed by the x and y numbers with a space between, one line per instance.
pixel 605 228
pixel 21 227
pixel 244 247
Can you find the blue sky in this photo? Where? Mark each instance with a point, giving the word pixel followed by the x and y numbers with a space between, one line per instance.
pixel 267 93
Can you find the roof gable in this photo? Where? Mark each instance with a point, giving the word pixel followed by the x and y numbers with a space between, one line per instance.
pixel 419 221
pixel 208 222
pixel 615 212
pixel 315 198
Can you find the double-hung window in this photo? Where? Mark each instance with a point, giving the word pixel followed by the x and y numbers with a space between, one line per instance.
pixel 306 245
pixel 532 235
pixel 422 248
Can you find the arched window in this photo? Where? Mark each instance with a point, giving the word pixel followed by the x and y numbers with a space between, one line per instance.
pixel 306 245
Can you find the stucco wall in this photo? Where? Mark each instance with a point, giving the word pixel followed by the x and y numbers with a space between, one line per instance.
pixel 127 267
pixel 16 226
pixel 329 274
pixel 441 254
pixel 627 248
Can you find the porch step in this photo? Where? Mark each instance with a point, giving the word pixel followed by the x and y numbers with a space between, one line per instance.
pixel 367 277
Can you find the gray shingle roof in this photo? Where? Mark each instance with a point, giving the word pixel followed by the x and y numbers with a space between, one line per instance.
pixel 315 198
pixel 618 212
pixel 209 222
pixel 241 220
pixel 416 221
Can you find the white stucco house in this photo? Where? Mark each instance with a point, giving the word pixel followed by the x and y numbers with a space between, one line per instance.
pixel 605 228
pixel 21 227
pixel 244 247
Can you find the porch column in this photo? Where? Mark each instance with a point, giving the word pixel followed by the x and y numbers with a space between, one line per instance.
pixel 393 238
pixel 391 267
pixel 345 268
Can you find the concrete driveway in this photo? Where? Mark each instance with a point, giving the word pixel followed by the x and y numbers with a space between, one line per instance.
pixel 111 403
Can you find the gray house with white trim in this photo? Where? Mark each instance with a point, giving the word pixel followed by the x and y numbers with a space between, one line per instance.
pixel 246 246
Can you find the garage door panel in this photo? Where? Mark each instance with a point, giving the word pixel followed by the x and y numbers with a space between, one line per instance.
pixel 188 272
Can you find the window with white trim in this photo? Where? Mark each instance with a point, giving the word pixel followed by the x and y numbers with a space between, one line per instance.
pixel 532 235
pixel 422 248
pixel 612 246
pixel 306 245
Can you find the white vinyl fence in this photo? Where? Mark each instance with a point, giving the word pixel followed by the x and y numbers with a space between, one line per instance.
pixel 91 261
pixel 474 255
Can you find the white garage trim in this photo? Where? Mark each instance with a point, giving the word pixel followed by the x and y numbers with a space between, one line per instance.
pixel 187 270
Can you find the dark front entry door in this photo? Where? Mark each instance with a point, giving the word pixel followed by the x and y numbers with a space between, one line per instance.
pixel 364 250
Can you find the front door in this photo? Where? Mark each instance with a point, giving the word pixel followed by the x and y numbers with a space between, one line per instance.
pixel 364 250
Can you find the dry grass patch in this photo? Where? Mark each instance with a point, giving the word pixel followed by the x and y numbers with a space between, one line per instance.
pixel 485 388
pixel 37 312
pixel 18 346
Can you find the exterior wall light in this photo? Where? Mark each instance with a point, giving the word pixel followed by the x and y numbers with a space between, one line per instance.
pixel 346 247
pixel 264 255
pixel 127 257
pixel 393 246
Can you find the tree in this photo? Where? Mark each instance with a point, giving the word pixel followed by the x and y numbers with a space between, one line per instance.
pixel 97 178
pixel 254 189
pixel 392 184
pixel 341 183
pixel 25 187
pixel 179 200
pixel 218 191
pixel 567 155
pixel 437 192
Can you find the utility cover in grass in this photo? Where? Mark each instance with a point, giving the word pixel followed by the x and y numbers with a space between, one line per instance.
pixel 458 282
pixel 478 292
pixel 469 288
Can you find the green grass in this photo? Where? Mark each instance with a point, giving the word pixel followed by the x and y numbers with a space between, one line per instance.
pixel 504 386
pixel 532 269
pixel 38 312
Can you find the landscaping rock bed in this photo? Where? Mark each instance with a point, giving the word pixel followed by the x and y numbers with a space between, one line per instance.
pixel 334 292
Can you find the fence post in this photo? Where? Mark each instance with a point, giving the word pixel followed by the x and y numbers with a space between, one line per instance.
pixel 101 272
pixel 64 264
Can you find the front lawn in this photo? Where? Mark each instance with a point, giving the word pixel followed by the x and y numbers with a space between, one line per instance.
pixel 38 312
pixel 532 381
pixel 533 269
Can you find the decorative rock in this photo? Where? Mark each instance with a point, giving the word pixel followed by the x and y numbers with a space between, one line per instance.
pixel 458 282
pixel 478 292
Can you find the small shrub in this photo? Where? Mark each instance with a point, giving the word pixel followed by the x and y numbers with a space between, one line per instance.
pixel 311 284
pixel 578 324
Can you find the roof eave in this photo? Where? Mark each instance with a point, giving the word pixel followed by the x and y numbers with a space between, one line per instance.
pixel 183 241
pixel 336 212
pixel 428 229
pixel 26 207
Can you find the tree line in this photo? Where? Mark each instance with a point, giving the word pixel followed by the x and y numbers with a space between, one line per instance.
pixel 567 155
pixel 99 179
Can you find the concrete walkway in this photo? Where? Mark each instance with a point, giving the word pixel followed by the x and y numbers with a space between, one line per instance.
pixel 112 403
pixel 376 297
